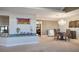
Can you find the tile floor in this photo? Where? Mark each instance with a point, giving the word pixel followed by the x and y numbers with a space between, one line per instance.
pixel 46 44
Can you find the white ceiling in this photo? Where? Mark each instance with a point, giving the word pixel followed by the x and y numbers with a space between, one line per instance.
pixel 44 12
pixel 55 8
pixel 40 13
pixel 31 10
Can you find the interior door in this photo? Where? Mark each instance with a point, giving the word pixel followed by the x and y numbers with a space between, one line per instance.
pixel 38 29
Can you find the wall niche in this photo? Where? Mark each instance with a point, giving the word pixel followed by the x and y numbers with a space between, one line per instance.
pixel 74 24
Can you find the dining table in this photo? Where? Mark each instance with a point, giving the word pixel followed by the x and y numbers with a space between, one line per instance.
pixel 61 35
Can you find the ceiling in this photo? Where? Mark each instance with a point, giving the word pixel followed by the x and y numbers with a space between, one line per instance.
pixel 38 12
pixel 35 10
pixel 65 9
pixel 41 12
pixel 68 9
pixel 55 8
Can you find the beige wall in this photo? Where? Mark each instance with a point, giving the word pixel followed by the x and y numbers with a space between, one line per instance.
pixel 48 25
pixel 73 18
pixel 4 20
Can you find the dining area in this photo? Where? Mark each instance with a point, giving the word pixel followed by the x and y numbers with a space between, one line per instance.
pixel 66 36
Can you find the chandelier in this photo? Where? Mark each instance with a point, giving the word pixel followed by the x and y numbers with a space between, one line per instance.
pixel 62 22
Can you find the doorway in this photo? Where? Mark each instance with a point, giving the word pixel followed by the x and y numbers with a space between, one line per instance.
pixel 39 28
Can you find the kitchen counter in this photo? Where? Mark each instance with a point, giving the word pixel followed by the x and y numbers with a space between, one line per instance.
pixel 18 35
pixel 13 40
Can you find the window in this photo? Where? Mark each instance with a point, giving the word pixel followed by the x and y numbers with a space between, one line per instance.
pixel 4 29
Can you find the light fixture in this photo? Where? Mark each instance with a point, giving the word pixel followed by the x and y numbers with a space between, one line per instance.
pixel 62 22
pixel 37 22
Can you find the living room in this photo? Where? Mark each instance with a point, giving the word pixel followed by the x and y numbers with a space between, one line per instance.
pixel 39 27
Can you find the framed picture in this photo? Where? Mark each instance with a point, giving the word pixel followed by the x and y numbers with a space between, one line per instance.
pixel 23 20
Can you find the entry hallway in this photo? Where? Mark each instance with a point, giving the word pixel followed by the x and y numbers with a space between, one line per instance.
pixel 46 44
